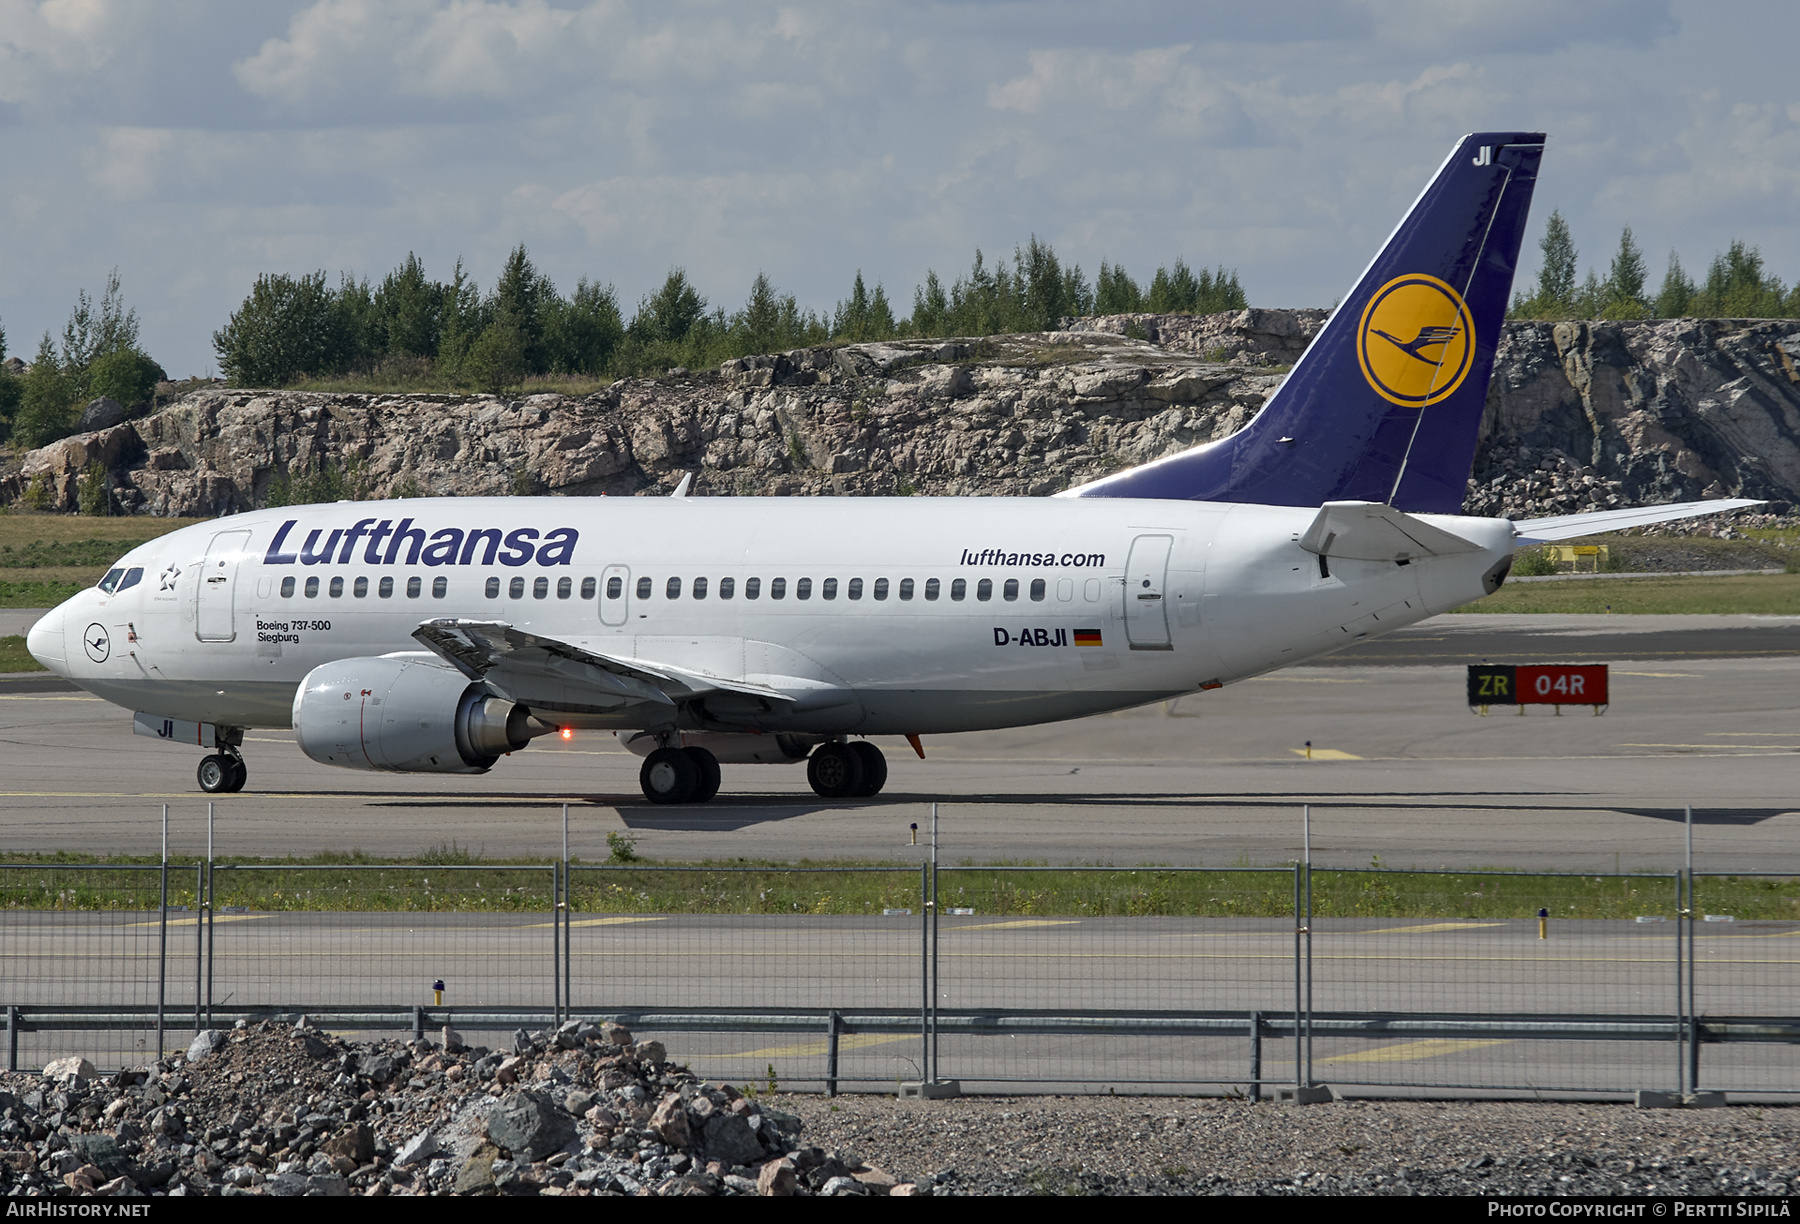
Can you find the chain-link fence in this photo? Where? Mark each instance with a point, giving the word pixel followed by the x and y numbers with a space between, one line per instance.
pixel 1003 978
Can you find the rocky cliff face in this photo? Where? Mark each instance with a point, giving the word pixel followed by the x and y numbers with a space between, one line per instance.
pixel 1580 415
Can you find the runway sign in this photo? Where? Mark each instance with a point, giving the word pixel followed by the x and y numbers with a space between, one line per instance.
pixel 1557 684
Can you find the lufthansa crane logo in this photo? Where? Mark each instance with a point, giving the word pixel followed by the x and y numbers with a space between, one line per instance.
pixel 98 643
pixel 1416 342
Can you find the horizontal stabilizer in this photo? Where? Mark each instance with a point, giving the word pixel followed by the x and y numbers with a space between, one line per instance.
pixel 1574 526
pixel 1370 531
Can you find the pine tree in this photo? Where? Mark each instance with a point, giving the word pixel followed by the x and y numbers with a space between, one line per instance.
pixel 1624 292
pixel 1556 278
pixel 1677 293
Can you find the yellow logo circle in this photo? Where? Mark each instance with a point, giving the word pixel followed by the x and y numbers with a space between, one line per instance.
pixel 1417 341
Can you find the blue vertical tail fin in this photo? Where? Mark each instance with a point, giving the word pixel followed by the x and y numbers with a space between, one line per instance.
pixel 1386 404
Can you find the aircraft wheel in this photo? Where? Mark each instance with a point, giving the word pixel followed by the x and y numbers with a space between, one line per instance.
pixel 216 774
pixel 669 775
pixel 874 768
pixel 707 766
pixel 240 774
pixel 835 771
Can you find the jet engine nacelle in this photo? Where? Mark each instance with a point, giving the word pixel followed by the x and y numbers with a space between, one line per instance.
pixel 406 715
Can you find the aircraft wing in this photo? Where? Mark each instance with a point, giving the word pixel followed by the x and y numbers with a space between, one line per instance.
pixel 1370 531
pixel 1574 526
pixel 554 676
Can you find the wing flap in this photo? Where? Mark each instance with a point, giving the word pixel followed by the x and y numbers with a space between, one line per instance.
pixel 550 674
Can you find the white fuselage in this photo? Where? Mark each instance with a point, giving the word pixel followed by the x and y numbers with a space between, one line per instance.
pixel 932 615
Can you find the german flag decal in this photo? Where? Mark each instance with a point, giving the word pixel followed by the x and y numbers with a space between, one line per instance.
pixel 1087 637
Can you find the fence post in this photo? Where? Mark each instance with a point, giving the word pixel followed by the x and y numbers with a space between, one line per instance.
pixel 12 1038
pixel 199 939
pixel 832 1021
pixel 209 914
pixel 1299 1071
pixel 556 982
pixel 162 943
pixel 925 973
pixel 418 1019
pixel 568 919
pixel 1256 1034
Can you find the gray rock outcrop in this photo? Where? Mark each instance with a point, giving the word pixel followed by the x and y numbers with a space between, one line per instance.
pixel 1580 415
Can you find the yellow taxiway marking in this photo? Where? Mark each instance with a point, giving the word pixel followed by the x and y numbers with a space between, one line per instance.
pixel 1661 675
pixel 1435 926
pixel 1413 1051
pixel 196 918
pixel 1738 748
pixel 45 697
pixel 1326 754
pixel 1016 924
pixel 848 1041
pixel 593 922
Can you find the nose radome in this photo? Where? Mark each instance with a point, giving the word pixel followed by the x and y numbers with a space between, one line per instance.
pixel 45 641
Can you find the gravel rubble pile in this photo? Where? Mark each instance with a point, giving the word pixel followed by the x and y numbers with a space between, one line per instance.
pixel 282 1109
pixel 1140 1145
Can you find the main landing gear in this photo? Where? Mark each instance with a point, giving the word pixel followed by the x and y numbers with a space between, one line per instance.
pixel 672 775
pixel 223 773
pixel 854 770
pixel 679 775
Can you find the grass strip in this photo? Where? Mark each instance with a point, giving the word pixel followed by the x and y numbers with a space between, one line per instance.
pixel 356 883
pixel 1756 594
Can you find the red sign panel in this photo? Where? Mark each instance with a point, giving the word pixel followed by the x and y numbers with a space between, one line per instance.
pixel 1560 684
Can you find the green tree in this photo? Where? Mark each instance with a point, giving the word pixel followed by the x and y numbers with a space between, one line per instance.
pixel 582 334
pixel 410 310
pixel 1116 292
pixel 461 322
pixel 1554 295
pixel 671 312
pixel 93 495
pixel 863 315
pixel 496 360
pixel 1625 281
pixel 931 307
pixel 126 375
pixel 1676 294
pixel 46 407
pixel 286 328
pixel 93 331
pixel 519 302
pixel 1737 288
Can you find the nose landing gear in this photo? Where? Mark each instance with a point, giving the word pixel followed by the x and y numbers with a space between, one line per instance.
pixel 222 773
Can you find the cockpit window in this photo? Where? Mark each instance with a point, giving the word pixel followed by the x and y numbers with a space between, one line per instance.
pixel 110 583
pixel 132 577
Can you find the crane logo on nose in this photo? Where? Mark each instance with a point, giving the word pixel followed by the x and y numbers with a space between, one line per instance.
pixel 98 643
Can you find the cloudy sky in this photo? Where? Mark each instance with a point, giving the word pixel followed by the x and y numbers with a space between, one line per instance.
pixel 193 144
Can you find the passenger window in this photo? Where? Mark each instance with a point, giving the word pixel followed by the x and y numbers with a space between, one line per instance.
pixel 132 577
pixel 493 588
pixel 959 589
pixel 906 588
pixel 984 590
pixel 440 587
pixel 828 589
pixel 752 587
pixel 803 588
pixel 516 588
pixel 777 588
pixel 589 586
pixel 1065 590
pixel 565 587
pixel 615 587
pixel 361 588
pixel 540 588
pixel 1037 590
pixel 287 587
pixel 1091 592
pixel 414 587
pixel 111 581
pixel 312 588
pixel 931 588
pixel 881 588
pixel 727 587
pixel 386 589
pixel 673 589
pixel 337 588
pixel 643 588
pixel 856 588
pixel 1010 592
pixel 699 588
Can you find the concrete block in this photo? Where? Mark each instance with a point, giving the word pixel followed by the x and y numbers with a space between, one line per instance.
pixel 1315 1094
pixel 1648 1098
pixel 931 1090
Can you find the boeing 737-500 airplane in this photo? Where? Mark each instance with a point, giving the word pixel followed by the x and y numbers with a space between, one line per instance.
pixel 438 635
